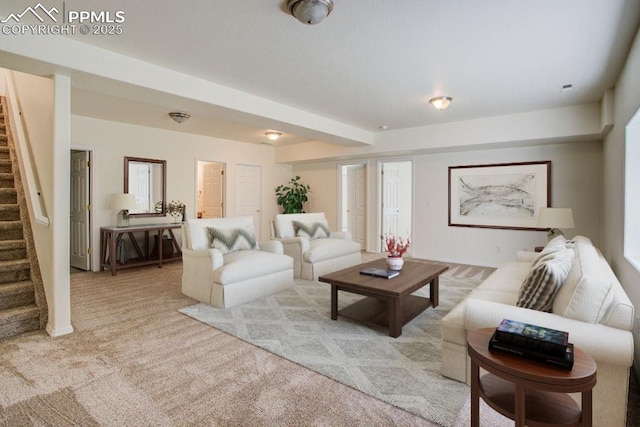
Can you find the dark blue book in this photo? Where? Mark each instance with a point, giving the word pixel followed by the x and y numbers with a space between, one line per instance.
pixel 565 361
pixel 380 272
pixel 533 337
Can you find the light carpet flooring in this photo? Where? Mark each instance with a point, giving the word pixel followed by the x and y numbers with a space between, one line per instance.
pixel 135 360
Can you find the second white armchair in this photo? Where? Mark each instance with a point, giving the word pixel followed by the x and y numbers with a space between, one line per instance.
pixel 314 248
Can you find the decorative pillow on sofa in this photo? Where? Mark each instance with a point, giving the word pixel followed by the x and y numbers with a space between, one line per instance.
pixel 232 239
pixel 557 244
pixel 588 291
pixel 544 280
pixel 312 230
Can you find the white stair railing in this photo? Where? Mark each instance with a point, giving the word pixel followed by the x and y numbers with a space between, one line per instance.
pixel 27 169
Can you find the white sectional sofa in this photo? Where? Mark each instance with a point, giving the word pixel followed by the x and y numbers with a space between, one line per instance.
pixel 590 304
pixel 234 274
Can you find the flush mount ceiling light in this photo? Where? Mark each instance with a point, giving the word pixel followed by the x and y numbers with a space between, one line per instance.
pixel 441 102
pixel 310 12
pixel 273 135
pixel 179 117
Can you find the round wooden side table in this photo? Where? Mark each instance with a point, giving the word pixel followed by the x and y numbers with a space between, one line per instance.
pixel 529 392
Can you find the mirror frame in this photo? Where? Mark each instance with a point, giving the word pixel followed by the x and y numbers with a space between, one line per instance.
pixel 164 183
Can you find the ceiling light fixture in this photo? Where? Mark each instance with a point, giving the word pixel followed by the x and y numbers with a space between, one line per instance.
pixel 273 136
pixel 179 117
pixel 441 102
pixel 310 12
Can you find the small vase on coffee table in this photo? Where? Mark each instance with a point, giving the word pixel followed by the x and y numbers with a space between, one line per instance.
pixel 395 263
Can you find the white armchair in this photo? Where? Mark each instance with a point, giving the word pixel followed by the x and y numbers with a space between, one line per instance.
pixel 235 272
pixel 314 249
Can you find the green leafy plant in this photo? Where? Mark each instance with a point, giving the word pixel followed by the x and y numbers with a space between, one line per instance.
pixel 293 195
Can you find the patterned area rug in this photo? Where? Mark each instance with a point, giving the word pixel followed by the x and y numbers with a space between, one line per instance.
pixel 403 371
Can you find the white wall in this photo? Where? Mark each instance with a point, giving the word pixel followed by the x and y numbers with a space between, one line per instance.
pixel 44 104
pixel 626 103
pixel 576 178
pixel 112 141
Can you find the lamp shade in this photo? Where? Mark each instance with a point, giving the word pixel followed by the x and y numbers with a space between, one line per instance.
pixel 123 201
pixel 555 218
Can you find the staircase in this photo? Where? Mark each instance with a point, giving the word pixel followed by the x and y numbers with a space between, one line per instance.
pixel 19 299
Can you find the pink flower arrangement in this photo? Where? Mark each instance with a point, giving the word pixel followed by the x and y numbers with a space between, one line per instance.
pixel 396 246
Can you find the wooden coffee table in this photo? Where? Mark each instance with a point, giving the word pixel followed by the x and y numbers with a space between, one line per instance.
pixel 389 302
pixel 529 392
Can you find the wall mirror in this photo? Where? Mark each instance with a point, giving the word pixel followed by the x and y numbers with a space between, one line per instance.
pixel 146 179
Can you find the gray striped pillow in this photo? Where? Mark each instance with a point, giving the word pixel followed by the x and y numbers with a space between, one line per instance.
pixel 312 230
pixel 232 239
pixel 544 280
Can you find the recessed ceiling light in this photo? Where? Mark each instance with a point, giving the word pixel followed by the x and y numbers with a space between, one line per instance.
pixel 383 127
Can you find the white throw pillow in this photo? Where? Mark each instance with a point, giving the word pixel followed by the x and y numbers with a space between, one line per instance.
pixel 232 239
pixel 557 244
pixel 312 230
pixel 587 292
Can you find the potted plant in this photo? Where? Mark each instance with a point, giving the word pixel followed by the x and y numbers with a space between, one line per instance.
pixel 395 247
pixel 292 196
pixel 176 210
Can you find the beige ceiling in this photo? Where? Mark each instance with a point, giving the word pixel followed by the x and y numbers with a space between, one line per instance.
pixel 370 63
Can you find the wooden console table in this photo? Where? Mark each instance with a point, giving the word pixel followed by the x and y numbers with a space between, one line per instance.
pixel 111 236
pixel 528 392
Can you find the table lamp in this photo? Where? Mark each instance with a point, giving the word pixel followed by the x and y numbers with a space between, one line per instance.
pixel 123 202
pixel 554 218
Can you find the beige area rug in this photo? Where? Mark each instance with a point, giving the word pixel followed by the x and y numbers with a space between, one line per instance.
pixel 403 371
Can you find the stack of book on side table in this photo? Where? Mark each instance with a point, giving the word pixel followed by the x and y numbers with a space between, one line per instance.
pixel 545 345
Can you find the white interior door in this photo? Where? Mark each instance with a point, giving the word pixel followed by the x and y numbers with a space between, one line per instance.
pixel 356 203
pixel 79 226
pixel 249 194
pixel 390 199
pixel 212 190
pixel 396 198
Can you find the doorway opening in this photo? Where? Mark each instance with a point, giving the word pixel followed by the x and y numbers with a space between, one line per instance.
pixel 210 194
pixel 80 210
pixel 353 201
pixel 396 197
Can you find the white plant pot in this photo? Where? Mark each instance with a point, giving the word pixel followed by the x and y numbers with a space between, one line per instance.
pixel 395 263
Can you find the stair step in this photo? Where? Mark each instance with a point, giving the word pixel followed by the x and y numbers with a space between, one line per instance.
pixel 11 250
pixel 9 213
pixel 8 196
pixel 18 320
pixel 11 230
pixel 16 294
pixel 14 265
pixel 5 166
pixel 7 180
pixel 15 271
pixel 4 153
